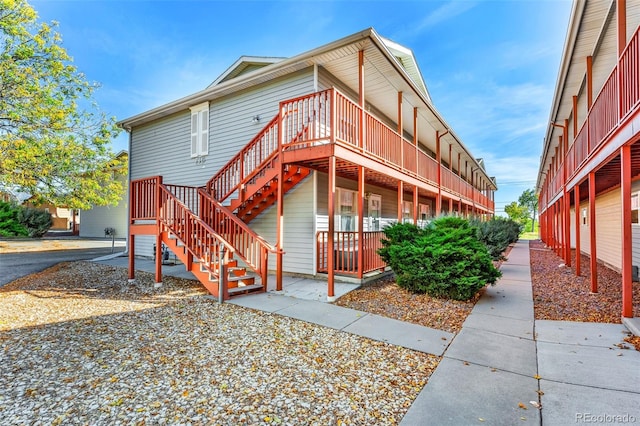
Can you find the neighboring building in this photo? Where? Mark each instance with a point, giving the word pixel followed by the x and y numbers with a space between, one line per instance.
pixel 589 187
pixel 62 218
pixel 96 220
pixel 304 158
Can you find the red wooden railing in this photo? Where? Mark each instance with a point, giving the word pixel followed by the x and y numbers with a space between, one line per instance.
pixel 630 75
pixel 341 125
pixel 605 108
pixel 198 237
pixel 245 163
pixel 345 252
pixel 214 228
pixel 618 97
pixel 251 248
pixel 143 195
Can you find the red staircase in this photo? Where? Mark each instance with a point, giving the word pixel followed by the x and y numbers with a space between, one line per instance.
pixel 250 179
pixel 210 237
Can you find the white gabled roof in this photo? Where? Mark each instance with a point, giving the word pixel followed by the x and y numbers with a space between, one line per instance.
pixel 408 61
pixel 390 69
pixel 243 65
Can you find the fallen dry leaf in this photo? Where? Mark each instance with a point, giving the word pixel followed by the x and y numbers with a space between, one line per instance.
pixel 558 294
pixel 387 299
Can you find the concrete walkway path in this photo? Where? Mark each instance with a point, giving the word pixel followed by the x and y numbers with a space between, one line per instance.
pixel 503 365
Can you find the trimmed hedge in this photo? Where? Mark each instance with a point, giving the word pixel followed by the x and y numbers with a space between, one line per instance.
pixel 497 234
pixel 445 259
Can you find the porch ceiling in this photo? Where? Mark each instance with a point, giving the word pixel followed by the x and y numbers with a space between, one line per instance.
pixel 383 81
pixel 608 176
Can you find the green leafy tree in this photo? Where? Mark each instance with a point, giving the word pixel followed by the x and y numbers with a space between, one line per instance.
pixel 529 201
pixel 54 142
pixel 516 212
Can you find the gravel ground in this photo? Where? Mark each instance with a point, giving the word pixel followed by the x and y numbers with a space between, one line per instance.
pixel 558 294
pixel 79 345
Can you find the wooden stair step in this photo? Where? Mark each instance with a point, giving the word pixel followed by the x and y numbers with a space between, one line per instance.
pixel 240 279
pixel 244 289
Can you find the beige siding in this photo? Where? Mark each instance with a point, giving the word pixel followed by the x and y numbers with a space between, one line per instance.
pixel 163 147
pixel 608 228
pixel 585 235
pixel 299 238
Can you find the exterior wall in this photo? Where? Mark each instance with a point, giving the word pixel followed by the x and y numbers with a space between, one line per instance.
pixel 608 215
pixel 389 213
pixel 163 147
pixel 608 226
pixel 299 237
pixel 94 221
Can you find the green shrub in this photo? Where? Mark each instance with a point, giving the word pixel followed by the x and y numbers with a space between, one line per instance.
pixel 445 259
pixel 10 225
pixel 497 234
pixel 37 222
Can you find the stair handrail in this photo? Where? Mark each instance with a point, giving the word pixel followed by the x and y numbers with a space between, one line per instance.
pixel 189 229
pixel 215 186
pixel 228 213
pixel 250 247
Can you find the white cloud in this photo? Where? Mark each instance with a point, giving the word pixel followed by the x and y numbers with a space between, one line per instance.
pixel 444 13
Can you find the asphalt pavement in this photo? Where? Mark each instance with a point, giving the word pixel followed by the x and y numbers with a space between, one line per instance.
pixel 19 258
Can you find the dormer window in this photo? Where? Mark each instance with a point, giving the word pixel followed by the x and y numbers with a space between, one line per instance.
pixel 200 130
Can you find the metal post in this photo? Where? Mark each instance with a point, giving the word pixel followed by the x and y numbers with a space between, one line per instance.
pixel 222 273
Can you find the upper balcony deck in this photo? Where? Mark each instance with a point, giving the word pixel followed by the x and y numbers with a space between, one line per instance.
pixel 325 124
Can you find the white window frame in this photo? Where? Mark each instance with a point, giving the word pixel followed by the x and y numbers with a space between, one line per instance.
pixel 635 207
pixel 354 205
pixel 407 211
pixel 372 201
pixel 200 130
pixel 424 212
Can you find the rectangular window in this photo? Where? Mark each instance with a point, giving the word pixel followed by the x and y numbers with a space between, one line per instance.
pixel 635 206
pixel 407 211
pixel 347 210
pixel 424 212
pixel 375 211
pixel 584 216
pixel 200 130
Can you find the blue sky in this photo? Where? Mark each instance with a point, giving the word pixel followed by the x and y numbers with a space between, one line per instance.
pixel 490 66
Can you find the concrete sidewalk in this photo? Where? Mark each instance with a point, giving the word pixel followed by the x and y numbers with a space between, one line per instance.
pixel 500 367
pixel 503 364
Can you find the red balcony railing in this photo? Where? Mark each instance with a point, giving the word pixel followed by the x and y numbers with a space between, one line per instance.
pixel 345 252
pixel 143 195
pixel 604 110
pixel 616 100
pixel 630 75
pixel 310 120
pixel 251 248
